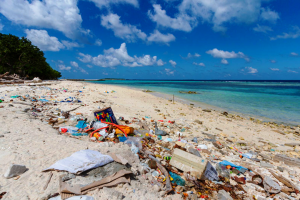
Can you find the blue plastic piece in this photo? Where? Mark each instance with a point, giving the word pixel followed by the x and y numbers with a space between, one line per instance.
pixel 122 139
pixel 82 124
pixel 240 168
pixel 177 179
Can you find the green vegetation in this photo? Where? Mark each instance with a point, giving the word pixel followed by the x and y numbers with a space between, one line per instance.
pixel 19 56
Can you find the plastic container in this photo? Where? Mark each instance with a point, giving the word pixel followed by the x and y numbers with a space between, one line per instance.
pixel 223 171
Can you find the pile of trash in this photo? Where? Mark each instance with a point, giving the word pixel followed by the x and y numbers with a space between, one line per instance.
pixel 205 167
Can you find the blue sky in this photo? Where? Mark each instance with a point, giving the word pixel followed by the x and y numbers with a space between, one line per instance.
pixel 161 39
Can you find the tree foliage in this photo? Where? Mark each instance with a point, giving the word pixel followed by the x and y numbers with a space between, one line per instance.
pixel 19 56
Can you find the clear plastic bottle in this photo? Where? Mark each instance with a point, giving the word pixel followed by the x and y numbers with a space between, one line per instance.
pixel 222 171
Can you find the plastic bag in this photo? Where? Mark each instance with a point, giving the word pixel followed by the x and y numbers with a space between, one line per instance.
pixel 134 140
pixel 98 125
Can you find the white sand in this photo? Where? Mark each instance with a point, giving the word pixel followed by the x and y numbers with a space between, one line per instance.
pixel 31 142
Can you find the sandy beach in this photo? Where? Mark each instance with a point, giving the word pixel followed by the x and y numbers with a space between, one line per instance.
pixel 28 139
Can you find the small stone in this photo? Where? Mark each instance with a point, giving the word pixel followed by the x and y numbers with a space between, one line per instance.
pixel 223 195
pixel 198 121
pixel 68 177
pixel 266 165
pixel 280 168
pixel 1 136
pixel 15 170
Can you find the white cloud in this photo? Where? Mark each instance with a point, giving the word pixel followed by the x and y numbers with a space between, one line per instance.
pixel 85 58
pixel 173 63
pixel 98 42
pixel 274 69
pixel 169 71
pixel 293 35
pixel 69 44
pixel 1 26
pixel 64 68
pixel 74 64
pixel 269 15
pixel 182 22
pixel 160 62
pixel 60 61
pixel 250 70
pixel 294 54
pixel 191 55
pixel 226 55
pixel 157 36
pixel 61 15
pixel 114 57
pixel 224 61
pixel 200 64
pixel 107 3
pixel 273 61
pixel 125 31
pixel 291 71
pixel 83 71
pixel 89 66
pixel 263 29
pixel 217 12
pixel 41 39
pixel 104 73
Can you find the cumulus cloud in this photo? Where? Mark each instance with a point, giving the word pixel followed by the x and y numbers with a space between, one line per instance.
pixel 291 71
pixel 89 66
pixel 191 55
pixel 274 69
pixel 217 12
pixel 41 39
pixel 64 68
pixel 114 57
pixel 61 15
pixel 250 70
pixel 224 61
pixel 157 36
pixel 85 58
pixel 45 42
pixel 294 34
pixel 273 61
pixel 200 64
pixel 226 55
pixel 294 54
pixel 105 3
pixel 263 29
pixel 173 63
pixel 269 15
pixel 182 22
pixel 125 31
pixel 98 42
pixel 75 64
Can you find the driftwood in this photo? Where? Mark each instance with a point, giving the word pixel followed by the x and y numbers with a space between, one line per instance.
pixel 10 79
pixel 284 180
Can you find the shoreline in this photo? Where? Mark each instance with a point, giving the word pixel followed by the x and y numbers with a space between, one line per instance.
pixel 203 105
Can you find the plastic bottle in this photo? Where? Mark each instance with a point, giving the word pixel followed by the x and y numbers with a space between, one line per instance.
pixel 222 171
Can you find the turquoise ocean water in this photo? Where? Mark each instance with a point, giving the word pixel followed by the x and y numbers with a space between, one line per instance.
pixel 275 101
